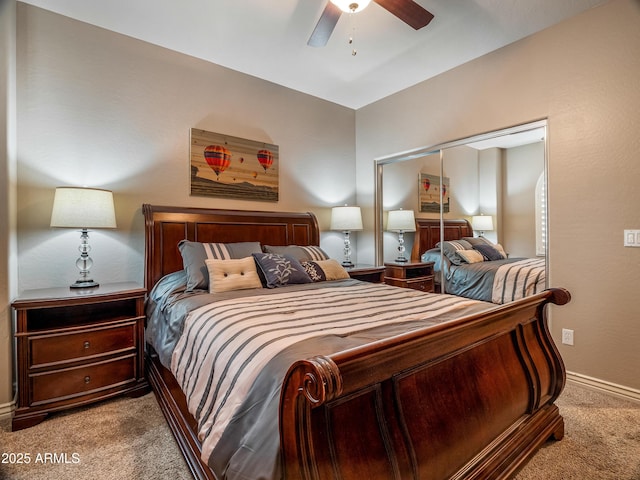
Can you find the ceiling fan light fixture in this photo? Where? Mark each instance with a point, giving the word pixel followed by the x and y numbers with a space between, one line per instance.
pixel 351 6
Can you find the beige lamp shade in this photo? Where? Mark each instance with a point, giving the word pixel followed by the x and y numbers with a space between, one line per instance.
pixel 346 219
pixel 482 223
pixel 75 207
pixel 401 221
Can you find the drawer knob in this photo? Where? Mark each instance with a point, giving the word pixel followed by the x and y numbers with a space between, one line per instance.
pixel 87 344
pixel 87 379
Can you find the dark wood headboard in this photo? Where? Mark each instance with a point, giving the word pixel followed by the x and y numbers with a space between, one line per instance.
pixel 428 234
pixel 166 226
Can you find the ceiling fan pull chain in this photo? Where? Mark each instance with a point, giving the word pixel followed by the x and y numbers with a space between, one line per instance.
pixel 353 32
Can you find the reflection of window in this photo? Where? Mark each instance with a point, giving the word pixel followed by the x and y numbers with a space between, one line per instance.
pixel 541 216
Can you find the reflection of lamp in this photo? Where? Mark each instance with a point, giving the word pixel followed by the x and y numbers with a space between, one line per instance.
pixel 346 219
pixel 83 208
pixel 401 221
pixel 351 6
pixel 482 223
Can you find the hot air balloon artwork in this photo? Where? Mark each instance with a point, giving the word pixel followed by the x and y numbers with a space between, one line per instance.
pixel 429 193
pixel 265 158
pixel 218 158
pixel 228 167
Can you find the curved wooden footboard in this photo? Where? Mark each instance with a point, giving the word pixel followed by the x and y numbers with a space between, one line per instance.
pixel 471 398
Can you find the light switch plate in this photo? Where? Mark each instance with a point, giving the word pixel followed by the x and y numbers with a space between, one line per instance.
pixel 632 238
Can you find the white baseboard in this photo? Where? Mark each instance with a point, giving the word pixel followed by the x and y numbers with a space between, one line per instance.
pixel 6 409
pixel 607 387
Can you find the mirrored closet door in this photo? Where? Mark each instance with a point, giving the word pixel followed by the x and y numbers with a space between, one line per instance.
pixel 497 178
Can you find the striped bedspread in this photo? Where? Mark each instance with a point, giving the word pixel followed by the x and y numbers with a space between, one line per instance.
pixel 225 344
pixel 517 280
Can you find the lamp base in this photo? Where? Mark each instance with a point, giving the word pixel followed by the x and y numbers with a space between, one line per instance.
pixel 347 264
pixel 84 284
pixel 401 260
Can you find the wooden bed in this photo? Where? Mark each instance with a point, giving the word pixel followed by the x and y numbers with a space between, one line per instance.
pixel 428 234
pixel 472 398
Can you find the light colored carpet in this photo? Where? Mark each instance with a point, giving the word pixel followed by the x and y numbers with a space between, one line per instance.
pixel 128 439
pixel 601 440
pixel 122 439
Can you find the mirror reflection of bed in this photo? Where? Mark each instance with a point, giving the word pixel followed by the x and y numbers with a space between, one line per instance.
pixel 500 175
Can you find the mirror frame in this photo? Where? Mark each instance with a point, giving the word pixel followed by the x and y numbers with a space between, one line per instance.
pixel 439 149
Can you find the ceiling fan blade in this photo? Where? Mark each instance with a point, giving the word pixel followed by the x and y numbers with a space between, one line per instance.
pixel 408 11
pixel 325 26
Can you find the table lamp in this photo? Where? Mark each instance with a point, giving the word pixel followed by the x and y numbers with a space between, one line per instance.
pixel 401 221
pixel 346 219
pixel 83 208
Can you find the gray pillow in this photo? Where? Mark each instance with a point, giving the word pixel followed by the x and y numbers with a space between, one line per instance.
pixel 477 240
pixel 310 253
pixel 194 255
pixel 451 247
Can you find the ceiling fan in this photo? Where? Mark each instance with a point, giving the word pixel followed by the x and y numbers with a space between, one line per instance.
pixel 406 10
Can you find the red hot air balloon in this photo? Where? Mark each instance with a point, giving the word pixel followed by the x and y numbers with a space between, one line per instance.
pixel 426 184
pixel 265 157
pixel 218 158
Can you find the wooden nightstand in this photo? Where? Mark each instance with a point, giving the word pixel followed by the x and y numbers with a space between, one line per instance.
pixel 418 276
pixel 367 273
pixel 75 347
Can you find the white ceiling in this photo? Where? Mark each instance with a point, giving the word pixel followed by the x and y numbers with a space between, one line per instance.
pixel 268 38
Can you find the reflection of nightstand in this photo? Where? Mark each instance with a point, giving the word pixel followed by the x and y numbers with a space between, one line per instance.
pixel 77 346
pixel 367 273
pixel 418 276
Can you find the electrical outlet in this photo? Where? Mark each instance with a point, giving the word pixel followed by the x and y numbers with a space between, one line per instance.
pixel 567 336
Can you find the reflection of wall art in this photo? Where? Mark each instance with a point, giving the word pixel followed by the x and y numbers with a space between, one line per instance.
pixel 232 167
pixel 429 196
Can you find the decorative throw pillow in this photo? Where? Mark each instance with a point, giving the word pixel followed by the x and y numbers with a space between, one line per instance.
pixel 323 270
pixel 451 248
pixel 477 241
pixel 309 253
pixel 194 255
pixel 488 252
pixel 236 274
pixel 280 270
pixel 471 256
pixel 499 247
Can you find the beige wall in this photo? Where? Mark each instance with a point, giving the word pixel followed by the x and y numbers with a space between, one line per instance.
pixel 7 197
pixel 583 76
pixel 100 109
pixel 522 167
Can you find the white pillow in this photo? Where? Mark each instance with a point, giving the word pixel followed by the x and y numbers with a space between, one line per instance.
pixel 235 274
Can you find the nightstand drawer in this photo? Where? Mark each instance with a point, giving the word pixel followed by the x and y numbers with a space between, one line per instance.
pixel 71 382
pixel 66 347
pixel 424 285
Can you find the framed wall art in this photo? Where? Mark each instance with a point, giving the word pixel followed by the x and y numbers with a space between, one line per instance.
pixel 231 167
pixel 429 193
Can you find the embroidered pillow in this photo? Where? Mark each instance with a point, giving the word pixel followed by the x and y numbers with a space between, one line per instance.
pixel 236 274
pixel 280 270
pixel 309 253
pixel 194 255
pixel 323 270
